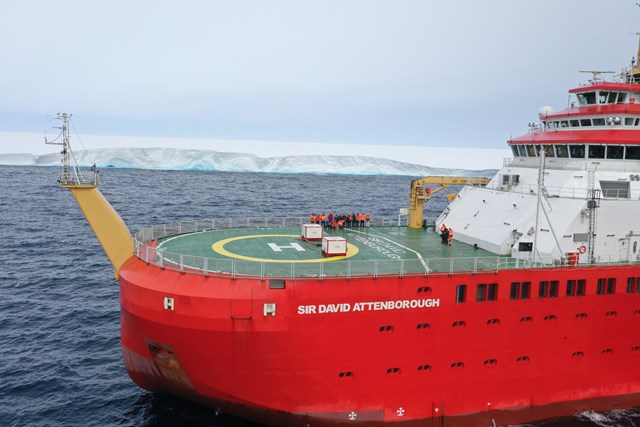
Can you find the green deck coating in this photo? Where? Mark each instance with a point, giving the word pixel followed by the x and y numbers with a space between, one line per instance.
pixel 251 253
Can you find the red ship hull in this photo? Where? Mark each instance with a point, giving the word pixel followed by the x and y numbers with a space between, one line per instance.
pixel 450 363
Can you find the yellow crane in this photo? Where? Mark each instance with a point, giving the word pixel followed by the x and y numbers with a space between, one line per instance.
pixel 420 193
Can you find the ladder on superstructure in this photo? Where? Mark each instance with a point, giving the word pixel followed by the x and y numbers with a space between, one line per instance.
pixel 593 202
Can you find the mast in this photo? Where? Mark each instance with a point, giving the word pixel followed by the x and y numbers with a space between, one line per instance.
pixel 108 226
pixel 534 249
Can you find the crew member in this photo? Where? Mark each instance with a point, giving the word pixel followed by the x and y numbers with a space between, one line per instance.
pixel 450 236
pixel 443 233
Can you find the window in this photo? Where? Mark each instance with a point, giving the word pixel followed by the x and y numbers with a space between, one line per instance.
pixel 576 288
pixel 633 152
pixel 461 294
pixel 548 289
pixel 603 97
pixel 548 150
pixel 523 150
pixel 633 285
pixel 587 98
pixel 562 151
pixel 576 151
pixel 596 151
pixel 574 123
pixel 628 121
pixel 606 286
pixel 514 150
pixel 585 122
pixel 615 152
pixel 520 290
pixel 531 152
pixel 598 122
pixel 525 246
pixel 486 292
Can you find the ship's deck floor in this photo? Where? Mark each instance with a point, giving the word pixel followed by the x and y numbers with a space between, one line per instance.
pixel 393 249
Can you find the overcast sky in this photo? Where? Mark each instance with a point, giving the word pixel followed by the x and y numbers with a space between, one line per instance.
pixel 463 73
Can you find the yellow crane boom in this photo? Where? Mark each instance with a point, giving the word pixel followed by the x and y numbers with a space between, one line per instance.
pixel 420 193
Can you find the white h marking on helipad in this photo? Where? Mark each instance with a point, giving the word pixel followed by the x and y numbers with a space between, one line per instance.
pixel 292 245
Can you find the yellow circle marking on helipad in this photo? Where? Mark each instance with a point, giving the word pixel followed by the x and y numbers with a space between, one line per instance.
pixel 218 247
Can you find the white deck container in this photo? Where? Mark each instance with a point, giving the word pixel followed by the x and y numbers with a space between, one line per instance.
pixel 311 231
pixel 334 246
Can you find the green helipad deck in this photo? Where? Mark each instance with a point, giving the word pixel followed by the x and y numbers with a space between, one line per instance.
pixel 282 252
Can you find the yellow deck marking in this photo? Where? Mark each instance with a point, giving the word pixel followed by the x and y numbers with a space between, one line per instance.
pixel 218 247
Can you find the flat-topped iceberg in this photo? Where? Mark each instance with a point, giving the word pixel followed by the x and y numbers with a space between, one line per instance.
pixel 208 160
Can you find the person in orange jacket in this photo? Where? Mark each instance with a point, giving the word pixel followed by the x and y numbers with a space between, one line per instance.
pixel 450 236
pixel 443 233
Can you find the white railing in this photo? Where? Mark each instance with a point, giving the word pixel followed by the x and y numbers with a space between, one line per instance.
pixel 146 250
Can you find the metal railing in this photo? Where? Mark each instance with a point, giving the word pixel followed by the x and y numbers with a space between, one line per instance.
pixel 146 250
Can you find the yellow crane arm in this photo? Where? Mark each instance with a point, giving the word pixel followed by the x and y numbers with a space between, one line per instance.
pixel 420 193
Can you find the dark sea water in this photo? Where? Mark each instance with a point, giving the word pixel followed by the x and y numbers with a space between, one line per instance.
pixel 60 357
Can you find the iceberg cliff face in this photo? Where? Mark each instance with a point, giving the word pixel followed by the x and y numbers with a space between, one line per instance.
pixel 187 159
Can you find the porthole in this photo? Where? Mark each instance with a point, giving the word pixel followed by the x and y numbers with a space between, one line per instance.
pixel 550 318
pixel 459 324
pixel 425 290
pixel 581 316
pixel 611 313
pixel 490 362
pixel 607 351
pixel 457 365
pixel 493 322
pixel 424 368
pixel 526 319
pixel 523 359
pixel 393 371
pixel 577 354
pixel 385 328
pixel 423 326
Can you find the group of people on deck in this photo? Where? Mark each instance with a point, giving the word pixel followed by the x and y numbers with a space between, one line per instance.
pixel 341 221
pixel 446 234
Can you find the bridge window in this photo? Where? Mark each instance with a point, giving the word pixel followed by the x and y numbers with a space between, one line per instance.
pixel 576 151
pixel 586 98
pixel 615 152
pixel 574 123
pixel 596 151
pixel 548 150
pixel 598 122
pixel 633 152
pixel 523 150
pixel 514 150
pixel 562 151
pixel 531 151
pixel 585 122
